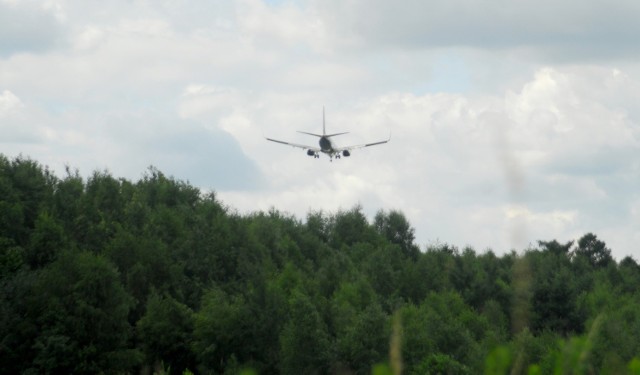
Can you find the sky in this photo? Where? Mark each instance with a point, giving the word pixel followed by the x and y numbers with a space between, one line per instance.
pixel 510 121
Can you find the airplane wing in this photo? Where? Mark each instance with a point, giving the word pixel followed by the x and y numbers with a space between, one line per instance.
pixel 349 148
pixel 304 147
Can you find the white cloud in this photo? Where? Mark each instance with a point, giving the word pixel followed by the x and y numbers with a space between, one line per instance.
pixel 9 103
pixel 19 124
pixel 282 25
pixel 565 30
pixel 459 166
pixel 28 26
pixel 201 101
pixel 494 144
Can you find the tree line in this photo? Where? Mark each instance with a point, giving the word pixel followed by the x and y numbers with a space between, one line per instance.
pixel 107 275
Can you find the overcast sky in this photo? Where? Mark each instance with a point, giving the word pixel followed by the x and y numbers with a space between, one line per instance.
pixel 511 121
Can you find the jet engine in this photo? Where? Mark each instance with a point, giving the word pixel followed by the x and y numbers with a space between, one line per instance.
pixel 346 153
pixel 311 153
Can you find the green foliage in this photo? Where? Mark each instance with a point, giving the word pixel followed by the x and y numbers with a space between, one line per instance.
pixel 46 241
pixel 443 324
pixel 594 250
pixel 222 330
pixel 383 268
pixel 350 227
pixel 498 362
pixel 363 342
pixel 81 311
pixel 18 325
pixel 555 247
pixel 12 257
pixel 381 369
pixel 165 331
pixel 25 189
pixel 106 275
pixel 634 366
pixel 397 230
pixel 67 206
pixel 304 341
pixel 440 363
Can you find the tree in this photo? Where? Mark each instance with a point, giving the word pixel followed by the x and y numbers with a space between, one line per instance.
pixel 25 188
pixel 145 265
pixel 555 247
pixel 114 276
pixel 165 332
pixel 594 250
pixel 364 342
pixel 18 320
pixel 630 274
pixel 335 268
pixel 383 269
pixel 276 233
pixel 81 311
pixel 347 302
pixel 269 309
pixel 350 227
pixel 45 242
pixel 304 342
pixel 432 272
pixel 223 329
pixel 395 227
pixel 11 209
pixel 317 224
pixel 615 340
pixel 443 324
pixel 103 211
pixel 68 198
pixel 160 190
pixel 12 257
pixel 555 292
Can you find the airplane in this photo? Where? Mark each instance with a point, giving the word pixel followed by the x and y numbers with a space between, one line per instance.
pixel 326 145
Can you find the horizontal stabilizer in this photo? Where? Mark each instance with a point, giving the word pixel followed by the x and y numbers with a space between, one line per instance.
pixel 315 135
pixel 333 135
pixel 320 135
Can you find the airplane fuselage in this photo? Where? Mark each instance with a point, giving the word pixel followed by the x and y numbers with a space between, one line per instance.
pixel 325 145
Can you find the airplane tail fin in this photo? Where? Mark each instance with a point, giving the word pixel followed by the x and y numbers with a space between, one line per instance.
pixel 324 129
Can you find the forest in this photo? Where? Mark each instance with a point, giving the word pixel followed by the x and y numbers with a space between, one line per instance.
pixel 106 275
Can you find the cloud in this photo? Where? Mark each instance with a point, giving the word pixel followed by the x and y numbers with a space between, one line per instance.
pixel 127 143
pixel 568 30
pixel 206 156
pixel 499 138
pixel 546 160
pixel 19 123
pixel 28 26
pixel 9 103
